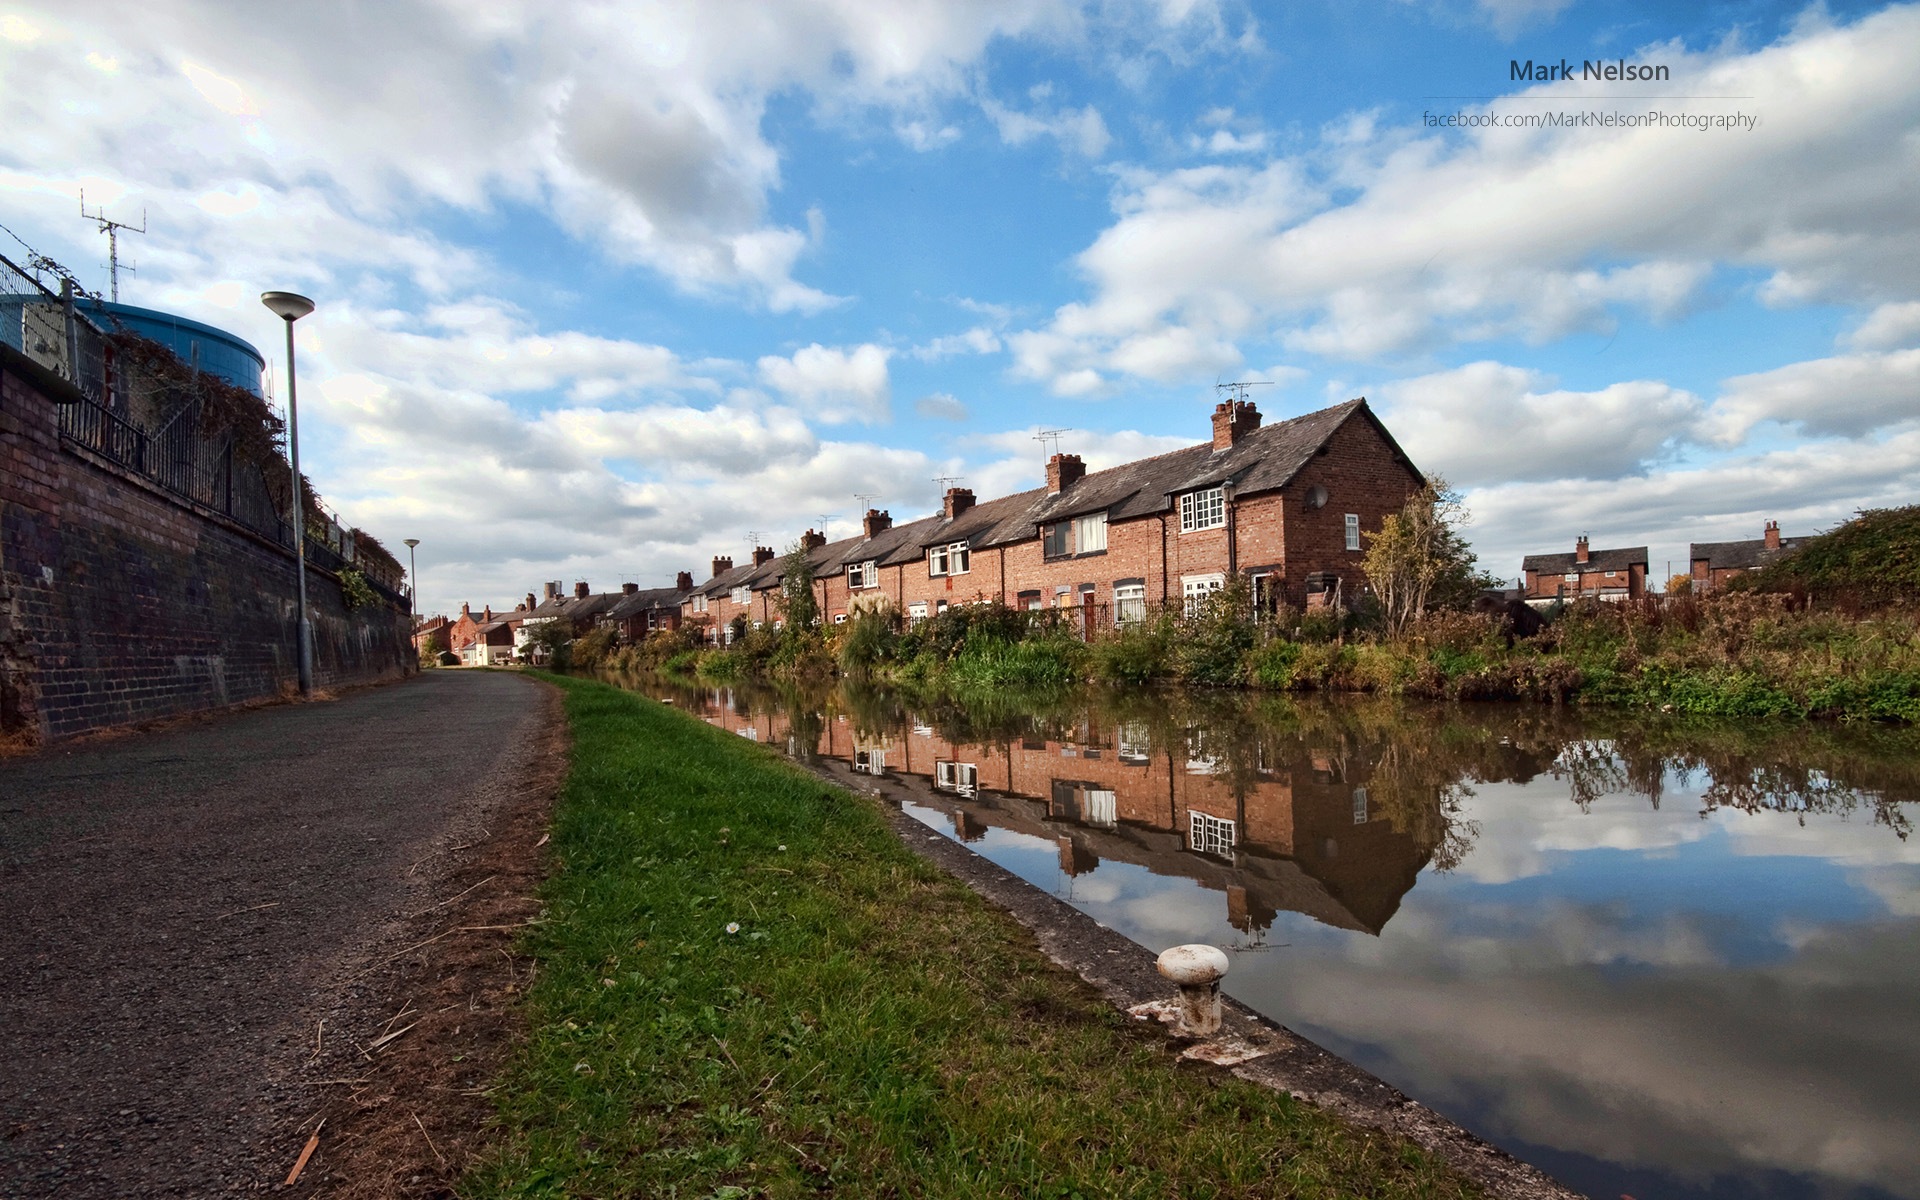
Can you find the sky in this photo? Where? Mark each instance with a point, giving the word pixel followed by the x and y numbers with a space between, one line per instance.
pixel 606 290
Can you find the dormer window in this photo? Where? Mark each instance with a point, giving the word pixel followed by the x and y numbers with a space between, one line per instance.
pixel 1204 509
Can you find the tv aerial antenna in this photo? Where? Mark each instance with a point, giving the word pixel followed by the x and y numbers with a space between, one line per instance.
pixel 1237 390
pixel 866 499
pixel 941 481
pixel 1049 440
pixel 112 229
pixel 827 519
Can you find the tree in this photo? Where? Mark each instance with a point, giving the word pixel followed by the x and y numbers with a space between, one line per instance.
pixel 1680 585
pixel 797 601
pixel 551 639
pixel 1419 561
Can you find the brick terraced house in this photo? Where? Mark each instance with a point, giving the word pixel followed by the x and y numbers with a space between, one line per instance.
pixel 1285 505
pixel 1712 564
pixel 1619 574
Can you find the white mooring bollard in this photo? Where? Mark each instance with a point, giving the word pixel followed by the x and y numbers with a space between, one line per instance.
pixel 1197 971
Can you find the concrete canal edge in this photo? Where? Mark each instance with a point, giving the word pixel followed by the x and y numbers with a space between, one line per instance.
pixel 1251 1046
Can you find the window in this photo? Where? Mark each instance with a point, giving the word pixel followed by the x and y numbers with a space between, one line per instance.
pixel 863 575
pixel 951 559
pixel 1359 806
pixel 870 762
pixel 699 604
pixel 742 595
pixel 916 612
pixel 1135 744
pixel 1194 589
pixel 1205 509
pixel 839 618
pixel 1129 603
pixel 960 777
pixel 1209 835
pixel 1028 600
pixel 1090 533
pixel 1571 577
pixel 1353 531
pixel 1098 807
pixel 1054 540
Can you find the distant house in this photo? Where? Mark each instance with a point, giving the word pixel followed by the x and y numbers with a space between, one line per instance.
pixel 579 612
pixel 427 630
pixel 490 646
pixel 1714 563
pixel 641 611
pixel 1619 574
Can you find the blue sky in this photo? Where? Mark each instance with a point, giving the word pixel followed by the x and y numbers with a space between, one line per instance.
pixel 605 288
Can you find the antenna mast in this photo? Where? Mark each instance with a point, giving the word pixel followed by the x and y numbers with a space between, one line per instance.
pixel 1049 440
pixel 112 229
pixel 1237 390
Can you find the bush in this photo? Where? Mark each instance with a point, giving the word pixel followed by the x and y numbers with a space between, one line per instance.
pixel 1136 653
pixel 594 651
pixel 1212 644
pixel 1036 663
pixel 867 641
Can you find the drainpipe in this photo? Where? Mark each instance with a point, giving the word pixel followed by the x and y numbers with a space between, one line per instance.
pixel 1233 531
pixel 1163 560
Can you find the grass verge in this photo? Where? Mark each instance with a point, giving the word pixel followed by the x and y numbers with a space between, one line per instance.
pixel 749 987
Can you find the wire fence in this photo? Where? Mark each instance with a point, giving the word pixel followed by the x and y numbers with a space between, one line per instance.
pixel 50 328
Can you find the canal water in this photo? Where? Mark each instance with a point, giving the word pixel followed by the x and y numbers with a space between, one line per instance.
pixel 1654 958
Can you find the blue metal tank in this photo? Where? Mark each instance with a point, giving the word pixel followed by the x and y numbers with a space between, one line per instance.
pixel 219 353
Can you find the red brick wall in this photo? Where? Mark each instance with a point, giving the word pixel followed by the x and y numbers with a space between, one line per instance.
pixel 120 603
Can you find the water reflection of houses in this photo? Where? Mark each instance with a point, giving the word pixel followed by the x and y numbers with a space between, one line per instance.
pixel 1291 831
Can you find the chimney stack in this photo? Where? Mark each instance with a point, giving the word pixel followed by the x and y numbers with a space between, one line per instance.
pixel 813 540
pixel 1772 535
pixel 531 602
pixel 876 522
pixel 1233 420
pixel 553 589
pixel 466 610
pixel 683 582
pixel 488 615
pixel 1580 549
pixel 628 589
pixel 722 565
pixel 581 591
pixel 1063 471
pixel 959 500
pixel 762 555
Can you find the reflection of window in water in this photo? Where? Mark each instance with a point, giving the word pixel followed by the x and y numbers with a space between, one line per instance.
pixel 963 778
pixel 1097 807
pixel 749 733
pixel 925 731
pixel 1135 745
pixel 1209 834
pixel 871 762
pixel 1201 760
pixel 1359 806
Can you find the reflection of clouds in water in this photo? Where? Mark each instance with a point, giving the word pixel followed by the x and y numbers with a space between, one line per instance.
pixel 1526 828
pixel 1852 839
pixel 1800 1065
pixel 1897 886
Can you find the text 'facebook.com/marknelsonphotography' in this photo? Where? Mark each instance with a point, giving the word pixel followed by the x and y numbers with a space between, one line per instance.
pixel 1737 122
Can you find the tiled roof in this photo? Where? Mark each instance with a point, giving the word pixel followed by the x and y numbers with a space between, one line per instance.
pixel 645 600
pixel 1727 556
pixel 1597 560
pixel 1263 459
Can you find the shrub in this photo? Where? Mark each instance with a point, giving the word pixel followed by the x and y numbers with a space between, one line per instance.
pixel 1136 653
pixel 594 650
pixel 1212 644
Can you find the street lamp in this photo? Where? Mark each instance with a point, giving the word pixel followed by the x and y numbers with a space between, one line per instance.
pixel 413 569
pixel 290 307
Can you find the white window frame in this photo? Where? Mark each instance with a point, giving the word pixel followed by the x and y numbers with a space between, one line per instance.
pixel 1196 588
pixel 1090 533
pixel 742 595
pixel 1208 834
pixel 1570 577
pixel 957 777
pixel 1353 531
pixel 1134 745
pixel 951 559
pixel 916 612
pixel 863 575
pixel 1204 509
pixel 1099 806
pixel 699 604
pixel 1129 603
pixel 1359 806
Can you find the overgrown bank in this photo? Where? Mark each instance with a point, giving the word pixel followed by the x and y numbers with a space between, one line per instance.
pixel 749 987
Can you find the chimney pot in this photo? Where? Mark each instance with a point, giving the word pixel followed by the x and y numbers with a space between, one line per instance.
pixel 959 500
pixel 722 564
pixel 683 582
pixel 762 555
pixel 1063 471
pixel 628 589
pixel 814 539
pixel 1580 553
pixel 1772 535
pixel 531 602
pixel 877 522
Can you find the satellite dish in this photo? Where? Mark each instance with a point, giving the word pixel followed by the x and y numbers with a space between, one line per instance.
pixel 1317 496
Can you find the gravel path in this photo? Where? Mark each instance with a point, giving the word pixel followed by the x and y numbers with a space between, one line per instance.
pixel 176 908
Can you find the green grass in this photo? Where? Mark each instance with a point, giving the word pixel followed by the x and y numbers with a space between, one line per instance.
pixel 871 1029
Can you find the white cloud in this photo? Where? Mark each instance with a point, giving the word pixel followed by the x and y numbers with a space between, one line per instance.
pixel 834 384
pixel 1848 395
pixel 1888 327
pixel 1492 423
pixel 1464 236
pixel 978 340
pixel 1081 130
pixel 940 406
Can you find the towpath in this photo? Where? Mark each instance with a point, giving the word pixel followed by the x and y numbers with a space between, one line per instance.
pixel 181 910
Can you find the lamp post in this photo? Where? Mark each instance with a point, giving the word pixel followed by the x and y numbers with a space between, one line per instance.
pixel 290 307
pixel 413 569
